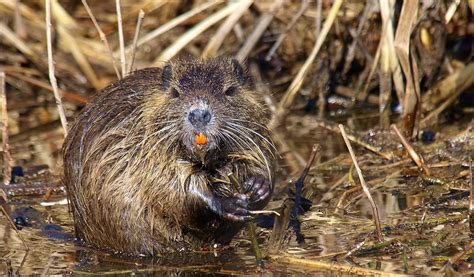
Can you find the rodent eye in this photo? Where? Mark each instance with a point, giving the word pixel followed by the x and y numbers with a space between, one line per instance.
pixel 174 93
pixel 231 91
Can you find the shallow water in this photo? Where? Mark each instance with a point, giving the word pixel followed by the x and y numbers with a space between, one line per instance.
pixel 399 197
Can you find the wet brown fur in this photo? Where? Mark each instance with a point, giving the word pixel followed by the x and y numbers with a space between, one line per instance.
pixel 133 183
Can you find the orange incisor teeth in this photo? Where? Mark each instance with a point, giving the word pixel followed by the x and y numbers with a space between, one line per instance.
pixel 201 139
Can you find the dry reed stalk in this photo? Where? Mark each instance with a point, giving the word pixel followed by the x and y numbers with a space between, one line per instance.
pixel 7 158
pixel 141 15
pixel 70 96
pixel 387 9
pixel 451 11
pixel 413 155
pixel 52 77
pixel 339 268
pixel 172 23
pixel 63 17
pixel 19 44
pixel 402 46
pixel 288 28
pixel 25 11
pixel 123 62
pixel 375 210
pixel 102 36
pixel 453 84
pixel 258 30
pixel 20 29
pixel 290 94
pixel 72 45
pixel 195 31
pixel 216 41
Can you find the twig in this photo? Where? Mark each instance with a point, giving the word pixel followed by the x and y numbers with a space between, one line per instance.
pixel 52 78
pixel 402 46
pixel 413 155
pixel 258 30
pixel 339 268
pixel 290 94
pixel 363 184
pixel 216 41
pixel 141 15
pixel 102 37
pixel 265 212
pixel 187 37
pixel 290 26
pixel 173 23
pixel 7 158
pixel 250 226
pixel 123 62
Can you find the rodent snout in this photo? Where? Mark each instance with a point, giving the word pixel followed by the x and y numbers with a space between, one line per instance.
pixel 199 118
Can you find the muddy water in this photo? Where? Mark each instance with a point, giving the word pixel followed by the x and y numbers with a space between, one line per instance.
pixel 327 232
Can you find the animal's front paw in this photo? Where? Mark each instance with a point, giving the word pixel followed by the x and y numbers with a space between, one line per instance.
pixel 235 207
pixel 260 190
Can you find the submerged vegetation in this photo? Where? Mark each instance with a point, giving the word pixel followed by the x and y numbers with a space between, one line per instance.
pixel 372 104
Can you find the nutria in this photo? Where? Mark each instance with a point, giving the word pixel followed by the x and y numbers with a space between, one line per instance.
pixel 147 162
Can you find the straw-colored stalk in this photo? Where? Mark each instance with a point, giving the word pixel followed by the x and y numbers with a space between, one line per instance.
pixel 7 159
pixel 402 47
pixel 375 211
pixel 216 41
pixel 102 36
pixel 198 29
pixel 141 15
pixel 123 61
pixel 411 152
pixel 171 24
pixel 295 86
pixel 52 77
pixel 261 26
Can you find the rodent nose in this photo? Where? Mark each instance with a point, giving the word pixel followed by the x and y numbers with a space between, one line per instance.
pixel 199 118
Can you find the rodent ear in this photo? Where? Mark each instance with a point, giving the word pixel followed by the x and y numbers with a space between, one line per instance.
pixel 166 76
pixel 240 72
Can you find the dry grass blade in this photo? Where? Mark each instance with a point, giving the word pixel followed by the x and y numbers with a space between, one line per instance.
pixel 7 159
pixel 262 25
pixel 413 155
pixel 123 62
pixel 19 44
pixel 172 23
pixel 52 77
pixel 402 47
pixel 447 90
pixel 73 46
pixel 290 94
pixel 187 37
pixel 290 26
pixel 216 41
pixel 102 36
pixel 339 268
pixel 141 15
pixel 363 184
pixel 19 24
pixel 71 96
pixel 451 11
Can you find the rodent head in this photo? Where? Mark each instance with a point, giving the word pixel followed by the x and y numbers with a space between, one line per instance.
pixel 206 106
